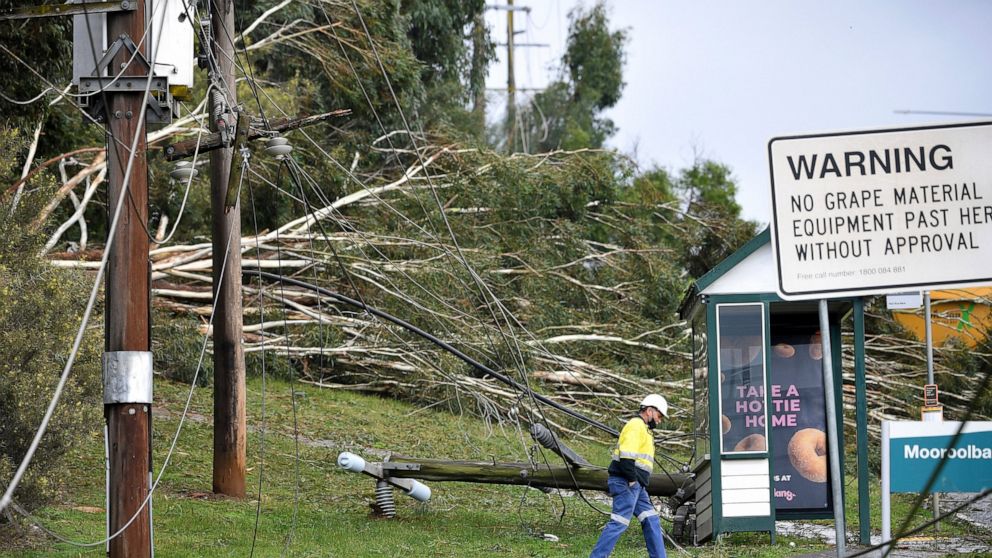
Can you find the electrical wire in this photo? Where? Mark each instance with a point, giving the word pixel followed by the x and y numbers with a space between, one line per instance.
pixel 182 417
pixel 417 151
pixel 29 101
pixel 292 390
pixel 890 545
pixel 91 303
pixel 486 292
pixel 296 172
pixel 261 320
pixel 440 343
pixel 189 181
pixel 388 135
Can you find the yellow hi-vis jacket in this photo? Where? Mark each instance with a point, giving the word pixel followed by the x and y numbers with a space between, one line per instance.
pixel 635 443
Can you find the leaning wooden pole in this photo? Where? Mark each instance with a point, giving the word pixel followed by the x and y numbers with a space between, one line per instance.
pixel 229 358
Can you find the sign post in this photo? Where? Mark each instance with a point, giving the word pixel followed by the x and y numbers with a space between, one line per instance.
pixel 879 211
pixel 873 212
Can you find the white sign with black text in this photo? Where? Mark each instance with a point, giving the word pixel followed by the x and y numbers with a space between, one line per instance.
pixel 872 212
pixel 904 301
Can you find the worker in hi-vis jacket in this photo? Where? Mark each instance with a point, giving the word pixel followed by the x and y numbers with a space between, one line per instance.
pixel 630 470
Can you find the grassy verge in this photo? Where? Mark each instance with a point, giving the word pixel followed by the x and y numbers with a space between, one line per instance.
pixel 328 515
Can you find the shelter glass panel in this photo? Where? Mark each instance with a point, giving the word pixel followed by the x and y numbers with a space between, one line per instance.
pixel 741 362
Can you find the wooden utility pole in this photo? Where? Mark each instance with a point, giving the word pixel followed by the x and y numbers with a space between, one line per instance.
pixel 478 70
pixel 128 332
pixel 511 84
pixel 541 475
pixel 229 357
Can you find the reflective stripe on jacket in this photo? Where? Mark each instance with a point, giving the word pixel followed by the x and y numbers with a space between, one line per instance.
pixel 636 443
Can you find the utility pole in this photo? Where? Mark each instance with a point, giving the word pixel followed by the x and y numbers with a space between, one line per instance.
pixel 229 357
pixel 127 357
pixel 511 85
pixel 511 82
pixel 478 71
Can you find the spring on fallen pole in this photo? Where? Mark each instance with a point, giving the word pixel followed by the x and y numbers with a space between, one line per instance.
pixel 384 499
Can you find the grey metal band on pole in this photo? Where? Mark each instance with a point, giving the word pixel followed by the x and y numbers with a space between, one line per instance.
pixel 836 480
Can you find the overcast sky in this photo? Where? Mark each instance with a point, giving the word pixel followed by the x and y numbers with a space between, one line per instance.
pixel 719 79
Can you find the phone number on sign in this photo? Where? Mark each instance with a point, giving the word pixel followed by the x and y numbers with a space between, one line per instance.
pixel 882 270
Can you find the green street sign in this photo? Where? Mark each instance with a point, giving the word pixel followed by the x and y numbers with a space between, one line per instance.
pixel 917 448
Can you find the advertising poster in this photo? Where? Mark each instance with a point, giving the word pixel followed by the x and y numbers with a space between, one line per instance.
pixel 798 415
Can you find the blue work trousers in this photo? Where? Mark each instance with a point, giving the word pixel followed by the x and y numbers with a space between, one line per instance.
pixel 629 502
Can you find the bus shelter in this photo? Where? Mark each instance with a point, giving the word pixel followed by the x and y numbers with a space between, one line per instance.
pixel 759 424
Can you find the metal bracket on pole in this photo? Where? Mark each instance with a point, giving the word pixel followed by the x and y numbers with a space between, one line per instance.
pixel 105 79
pixel 127 377
pixel 238 160
pixel 53 10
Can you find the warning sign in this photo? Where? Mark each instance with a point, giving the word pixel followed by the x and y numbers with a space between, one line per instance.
pixel 871 212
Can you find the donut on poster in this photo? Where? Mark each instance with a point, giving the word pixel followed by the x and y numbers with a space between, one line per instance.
pixel 798 416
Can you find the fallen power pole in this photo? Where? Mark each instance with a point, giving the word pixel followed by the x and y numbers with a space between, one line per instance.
pixel 538 476
pixel 578 474
pixel 398 471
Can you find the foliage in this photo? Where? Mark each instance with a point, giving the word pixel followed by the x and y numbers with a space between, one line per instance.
pixel 176 346
pixel 40 310
pixel 45 44
pixel 437 32
pixel 332 508
pixel 568 113
pixel 714 229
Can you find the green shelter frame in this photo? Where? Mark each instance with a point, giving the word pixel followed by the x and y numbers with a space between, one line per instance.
pixel 746 281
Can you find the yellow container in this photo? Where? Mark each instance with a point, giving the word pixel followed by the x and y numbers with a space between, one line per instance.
pixel 965 314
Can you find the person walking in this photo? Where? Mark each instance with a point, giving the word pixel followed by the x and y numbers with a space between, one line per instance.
pixel 629 473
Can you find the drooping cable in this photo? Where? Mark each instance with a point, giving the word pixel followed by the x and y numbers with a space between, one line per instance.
pixel 440 343
pixel 261 325
pixel 91 303
pixel 292 390
pixel 182 417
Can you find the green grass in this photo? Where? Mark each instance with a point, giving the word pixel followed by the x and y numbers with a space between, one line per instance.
pixel 333 518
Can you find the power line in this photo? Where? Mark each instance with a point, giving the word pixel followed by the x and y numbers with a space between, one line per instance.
pixel 15 481
pixel 941 112
pixel 182 417
pixel 261 320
